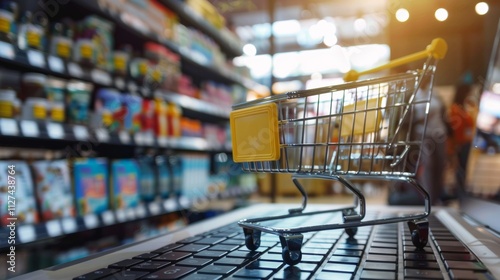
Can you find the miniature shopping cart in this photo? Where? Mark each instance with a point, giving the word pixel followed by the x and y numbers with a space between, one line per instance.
pixel 356 130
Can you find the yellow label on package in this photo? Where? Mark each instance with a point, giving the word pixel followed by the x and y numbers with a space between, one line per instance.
pixel 6 109
pixel 143 68
pixel 119 63
pixel 39 111
pixel 63 49
pixel 33 38
pixel 86 51
pixel 4 25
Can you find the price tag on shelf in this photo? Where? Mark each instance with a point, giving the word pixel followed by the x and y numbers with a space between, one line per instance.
pixel 54 228
pixel 140 211
pixel 56 64
pixel 148 139
pixel 91 221
pixel 55 130
pixel 139 139
pixel 132 86
pixel 170 205
pixel 130 213
pixel 184 202
pixel 9 127
pixel 154 208
pixel 7 50
pixel 121 216
pixel 36 58
pixel 26 233
pixel 69 225
pixel 124 137
pixel 102 135
pixel 108 218
pixel 75 70
pixel 29 128
pixel 120 83
pixel 101 77
pixel 162 141
pixel 81 133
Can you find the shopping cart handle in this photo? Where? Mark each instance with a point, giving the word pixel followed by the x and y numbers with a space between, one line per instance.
pixel 437 49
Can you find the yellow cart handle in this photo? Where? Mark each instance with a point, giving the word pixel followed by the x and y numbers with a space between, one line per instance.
pixel 437 49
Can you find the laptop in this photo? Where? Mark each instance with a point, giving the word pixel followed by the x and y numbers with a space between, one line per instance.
pixel 463 242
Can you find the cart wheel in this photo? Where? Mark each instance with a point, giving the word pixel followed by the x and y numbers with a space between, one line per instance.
pixel 291 245
pixel 252 238
pixel 419 233
pixel 351 231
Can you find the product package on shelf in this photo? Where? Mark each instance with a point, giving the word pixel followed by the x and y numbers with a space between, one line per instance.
pixel 195 175
pixel 32 32
pixel 96 33
pixel 133 105
pixel 124 183
pixel 77 101
pixel 147 178
pixel 8 28
pixel 53 189
pixel 164 176
pixel 109 111
pixel 17 194
pixel 90 177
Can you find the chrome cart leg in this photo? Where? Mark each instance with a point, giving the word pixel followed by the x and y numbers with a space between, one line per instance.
pixel 304 197
pixel 252 238
pixel 419 232
pixel 351 231
pixel 291 245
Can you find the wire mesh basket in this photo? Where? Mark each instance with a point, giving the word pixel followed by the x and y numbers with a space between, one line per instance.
pixel 356 130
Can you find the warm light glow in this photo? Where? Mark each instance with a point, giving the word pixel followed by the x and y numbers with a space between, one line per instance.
pixel 316 76
pixel 249 50
pixel 482 8
pixel 402 15
pixel 360 24
pixel 441 14
pixel 330 40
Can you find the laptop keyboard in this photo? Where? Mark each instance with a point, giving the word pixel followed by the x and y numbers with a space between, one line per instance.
pixel 376 252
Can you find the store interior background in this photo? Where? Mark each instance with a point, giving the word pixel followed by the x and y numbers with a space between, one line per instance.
pixel 347 34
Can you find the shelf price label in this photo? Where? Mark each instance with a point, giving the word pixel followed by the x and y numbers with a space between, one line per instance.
pixel 69 225
pixel 75 70
pixel 124 137
pixel 26 233
pixel 7 50
pixel 130 214
pixel 54 228
pixel 91 221
pixel 102 135
pixel 81 133
pixel 154 208
pixel 101 77
pixel 56 64
pixel 30 128
pixel 121 216
pixel 9 127
pixel 55 130
pixel 108 218
pixel 140 211
pixel 170 205
pixel 36 58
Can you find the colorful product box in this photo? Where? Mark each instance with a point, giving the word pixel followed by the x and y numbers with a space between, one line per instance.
pixel 164 177
pixel 17 196
pixel 91 185
pixel 53 189
pixel 147 179
pixel 133 104
pixel 109 111
pixel 124 183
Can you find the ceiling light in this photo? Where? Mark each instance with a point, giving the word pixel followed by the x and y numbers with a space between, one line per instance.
pixel 482 8
pixel 402 15
pixel 330 40
pixel 441 14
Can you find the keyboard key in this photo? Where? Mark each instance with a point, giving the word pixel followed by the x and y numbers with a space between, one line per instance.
pixel 413 249
pixel 378 275
pixel 167 248
pixel 125 263
pixel 149 266
pixel 244 254
pixel 258 264
pixel 252 273
pixel 449 243
pixel 349 253
pixel 190 239
pixel 172 272
pixel 217 269
pixel 210 240
pixel 338 267
pixel 381 258
pixel 196 262
pixel 197 276
pixel 326 275
pixel 312 258
pixel 453 249
pixel 462 274
pixel 291 273
pixel 314 251
pixel 380 266
pixel 458 256
pixel 344 259
pixel 97 274
pixel 383 251
pixel 271 257
pixel 464 265
pixel 418 256
pixel 384 245
pixel 422 264
pixel 231 261
pixel 146 256
pixel 172 256
pixel 351 247
pixel 210 254
pixel 126 275
pixel 423 274
pixel 226 248
pixel 192 248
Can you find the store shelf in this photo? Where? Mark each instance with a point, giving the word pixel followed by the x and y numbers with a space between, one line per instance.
pixel 28 133
pixel 32 233
pixel 226 42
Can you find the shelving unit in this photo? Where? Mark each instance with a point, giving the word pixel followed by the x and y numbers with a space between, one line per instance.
pixel 59 136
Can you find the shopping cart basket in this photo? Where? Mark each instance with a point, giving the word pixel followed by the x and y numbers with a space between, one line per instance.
pixel 356 130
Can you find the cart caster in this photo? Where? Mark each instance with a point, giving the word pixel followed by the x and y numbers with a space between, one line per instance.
pixel 291 246
pixel 252 238
pixel 351 231
pixel 419 231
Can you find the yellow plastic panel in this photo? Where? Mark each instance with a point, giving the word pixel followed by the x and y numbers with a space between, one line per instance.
pixel 255 135
pixel 353 123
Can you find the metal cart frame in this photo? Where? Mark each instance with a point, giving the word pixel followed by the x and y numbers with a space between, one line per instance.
pixel 355 130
